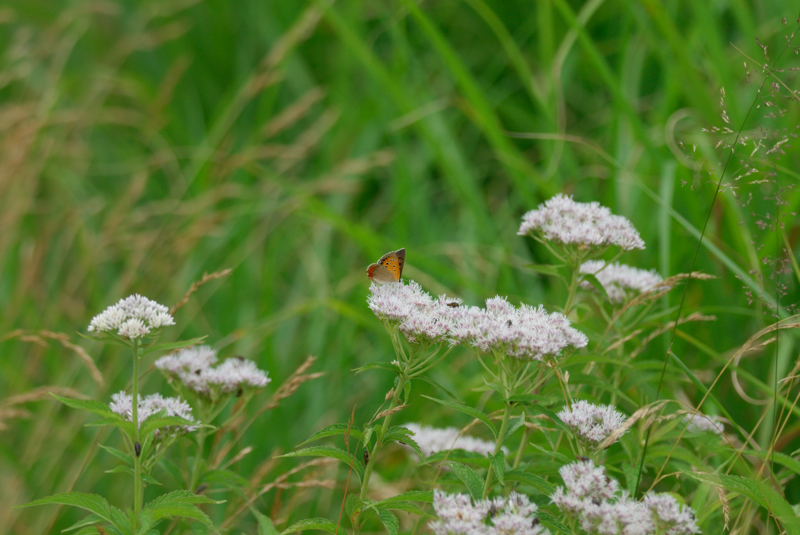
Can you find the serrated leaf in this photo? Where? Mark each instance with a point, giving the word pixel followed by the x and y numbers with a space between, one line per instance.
pixel 596 284
pixel 366 436
pixel 226 478
pixel 389 520
pixel 403 435
pixel 121 455
pixel 376 365
pixel 93 503
pixel 333 430
pixel 353 505
pixel 471 479
pixel 466 409
pixel 409 507
pixel 89 520
pixel 320 524
pixel 179 503
pixel 537 482
pixel 545 269
pixel 333 453
pixel 758 491
pixel 498 462
pixel 551 522
pixel 169 346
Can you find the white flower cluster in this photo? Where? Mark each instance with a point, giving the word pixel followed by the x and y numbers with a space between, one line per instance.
pixel 133 317
pixel 700 423
pixel 526 332
pixel 122 404
pixel 591 424
pixel 433 440
pixel 193 366
pixel 595 502
pixel 563 220
pixel 618 279
pixel 457 515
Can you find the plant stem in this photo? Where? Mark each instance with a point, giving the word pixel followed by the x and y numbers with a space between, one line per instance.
pixel 573 288
pixel 382 432
pixel 201 440
pixel 137 458
pixel 497 447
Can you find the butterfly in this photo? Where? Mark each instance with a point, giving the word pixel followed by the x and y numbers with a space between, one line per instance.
pixel 389 268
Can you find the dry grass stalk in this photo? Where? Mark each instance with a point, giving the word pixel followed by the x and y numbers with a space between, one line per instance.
pixel 389 412
pixel 695 316
pixel 40 338
pixel 645 411
pixel 294 381
pixel 207 277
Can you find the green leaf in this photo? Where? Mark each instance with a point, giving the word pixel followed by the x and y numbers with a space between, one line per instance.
pixel 756 490
pixel 376 365
pixel 265 524
pixel 121 455
pixel 513 424
pixel 157 422
pixel 466 409
pixel 425 496
pixel 535 407
pixel 471 479
pixel 596 284
pixel 406 391
pixel 353 505
pixel 89 405
pixel 546 269
pixel 150 480
pixel 333 453
pixel 320 524
pixel 333 430
pixel 226 479
pixel 402 435
pixel 532 480
pixel 367 436
pixel 169 346
pixel 498 462
pixel 90 502
pixel 389 520
pixel 435 384
pixel 180 503
pixel 409 507
pixel 89 520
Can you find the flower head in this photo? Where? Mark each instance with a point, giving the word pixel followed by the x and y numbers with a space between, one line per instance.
pixel 459 515
pixel 433 440
pixel 669 516
pixel 193 367
pixel 591 424
pixel 563 220
pixel 133 317
pixel 526 332
pixel 619 280
pixel 699 423
pixel 147 406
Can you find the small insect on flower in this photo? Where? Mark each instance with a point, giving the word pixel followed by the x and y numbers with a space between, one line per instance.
pixel 389 268
pixel 137 448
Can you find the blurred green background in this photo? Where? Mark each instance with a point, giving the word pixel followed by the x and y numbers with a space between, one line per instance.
pixel 145 143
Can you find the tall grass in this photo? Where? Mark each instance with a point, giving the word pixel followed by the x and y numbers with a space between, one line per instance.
pixel 144 144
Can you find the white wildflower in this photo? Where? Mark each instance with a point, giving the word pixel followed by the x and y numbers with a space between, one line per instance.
pixel 433 440
pixel 132 317
pixel 459 515
pixel 563 220
pixel 585 480
pixel 669 516
pixel 699 423
pixel 619 280
pixel 122 404
pixel 591 424
pixel 193 367
pixel 526 332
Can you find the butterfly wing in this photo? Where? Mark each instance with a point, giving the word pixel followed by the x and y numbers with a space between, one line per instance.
pixel 389 268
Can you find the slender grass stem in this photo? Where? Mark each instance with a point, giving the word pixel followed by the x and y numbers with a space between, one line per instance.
pixel 201 441
pixel 501 435
pixel 573 288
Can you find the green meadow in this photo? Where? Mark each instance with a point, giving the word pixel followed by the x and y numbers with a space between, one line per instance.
pixel 267 152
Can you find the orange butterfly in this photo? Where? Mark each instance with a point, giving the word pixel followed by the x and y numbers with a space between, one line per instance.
pixel 389 268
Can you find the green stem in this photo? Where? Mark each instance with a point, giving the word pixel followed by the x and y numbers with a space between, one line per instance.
pixel 497 447
pixel 382 432
pixel 573 288
pixel 522 443
pixel 138 491
pixel 201 440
